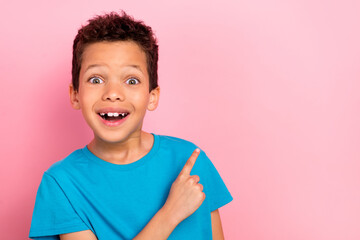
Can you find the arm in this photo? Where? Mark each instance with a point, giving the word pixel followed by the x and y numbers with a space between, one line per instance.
pixel 158 226
pixel 217 231
pixel 82 235
pixel 184 198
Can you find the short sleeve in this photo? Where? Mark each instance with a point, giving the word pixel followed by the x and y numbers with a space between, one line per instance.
pixel 53 213
pixel 215 190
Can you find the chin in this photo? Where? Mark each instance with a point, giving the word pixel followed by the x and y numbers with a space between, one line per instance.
pixel 113 137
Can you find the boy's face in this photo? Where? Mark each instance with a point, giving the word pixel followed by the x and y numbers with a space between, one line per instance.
pixel 114 90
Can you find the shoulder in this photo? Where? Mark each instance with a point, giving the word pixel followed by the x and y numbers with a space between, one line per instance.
pixel 180 145
pixel 176 142
pixel 179 148
pixel 67 164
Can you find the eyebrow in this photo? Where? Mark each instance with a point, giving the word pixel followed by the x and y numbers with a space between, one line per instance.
pixel 98 65
pixel 93 66
pixel 135 66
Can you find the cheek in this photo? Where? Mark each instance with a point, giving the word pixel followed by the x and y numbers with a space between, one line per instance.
pixel 141 100
pixel 87 99
pixel 137 95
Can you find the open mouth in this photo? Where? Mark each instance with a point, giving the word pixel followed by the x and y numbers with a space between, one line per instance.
pixel 113 116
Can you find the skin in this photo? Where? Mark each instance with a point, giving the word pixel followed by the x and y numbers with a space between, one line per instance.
pixel 117 65
pixel 114 74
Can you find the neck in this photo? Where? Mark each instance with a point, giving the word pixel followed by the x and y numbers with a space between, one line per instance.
pixel 125 152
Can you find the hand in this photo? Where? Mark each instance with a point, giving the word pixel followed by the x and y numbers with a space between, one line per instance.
pixel 186 194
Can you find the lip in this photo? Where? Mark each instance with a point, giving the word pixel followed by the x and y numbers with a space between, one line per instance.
pixel 112 109
pixel 113 123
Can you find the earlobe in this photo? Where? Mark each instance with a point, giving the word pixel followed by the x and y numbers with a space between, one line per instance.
pixel 154 99
pixel 74 97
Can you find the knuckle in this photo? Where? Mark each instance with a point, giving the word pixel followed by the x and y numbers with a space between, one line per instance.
pixel 181 177
pixel 196 178
pixel 201 196
pixel 191 180
pixel 188 164
pixel 175 182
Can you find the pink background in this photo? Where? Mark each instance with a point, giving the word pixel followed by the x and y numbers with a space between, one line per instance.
pixel 269 89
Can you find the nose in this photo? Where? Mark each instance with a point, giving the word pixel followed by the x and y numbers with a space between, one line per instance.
pixel 113 92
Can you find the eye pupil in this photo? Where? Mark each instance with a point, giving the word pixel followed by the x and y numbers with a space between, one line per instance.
pixel 132 81
pixel 95 80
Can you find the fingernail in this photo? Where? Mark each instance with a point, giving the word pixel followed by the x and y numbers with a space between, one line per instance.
pixel 197 150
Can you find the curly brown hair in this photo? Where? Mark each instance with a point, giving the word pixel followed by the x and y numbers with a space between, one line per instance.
pixel 115 27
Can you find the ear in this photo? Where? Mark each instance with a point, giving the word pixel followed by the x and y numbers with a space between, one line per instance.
pixel 74 97
pixel 154 99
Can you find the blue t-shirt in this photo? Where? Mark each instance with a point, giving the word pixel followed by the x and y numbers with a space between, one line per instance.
pixel 115 201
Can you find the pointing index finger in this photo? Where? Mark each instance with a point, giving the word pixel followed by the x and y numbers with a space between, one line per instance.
pixel 190 162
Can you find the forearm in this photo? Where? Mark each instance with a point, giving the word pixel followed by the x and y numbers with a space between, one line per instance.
pixel 159 227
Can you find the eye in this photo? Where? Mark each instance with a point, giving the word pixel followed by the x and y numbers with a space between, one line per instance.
pixel 132 81
pixel 96 80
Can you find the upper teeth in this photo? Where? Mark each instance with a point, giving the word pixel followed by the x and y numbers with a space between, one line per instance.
pixel 115 114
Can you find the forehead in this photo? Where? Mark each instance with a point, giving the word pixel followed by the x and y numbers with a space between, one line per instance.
pixel 117 53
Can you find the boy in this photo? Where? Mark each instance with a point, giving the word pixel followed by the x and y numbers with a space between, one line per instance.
pixel 126 183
